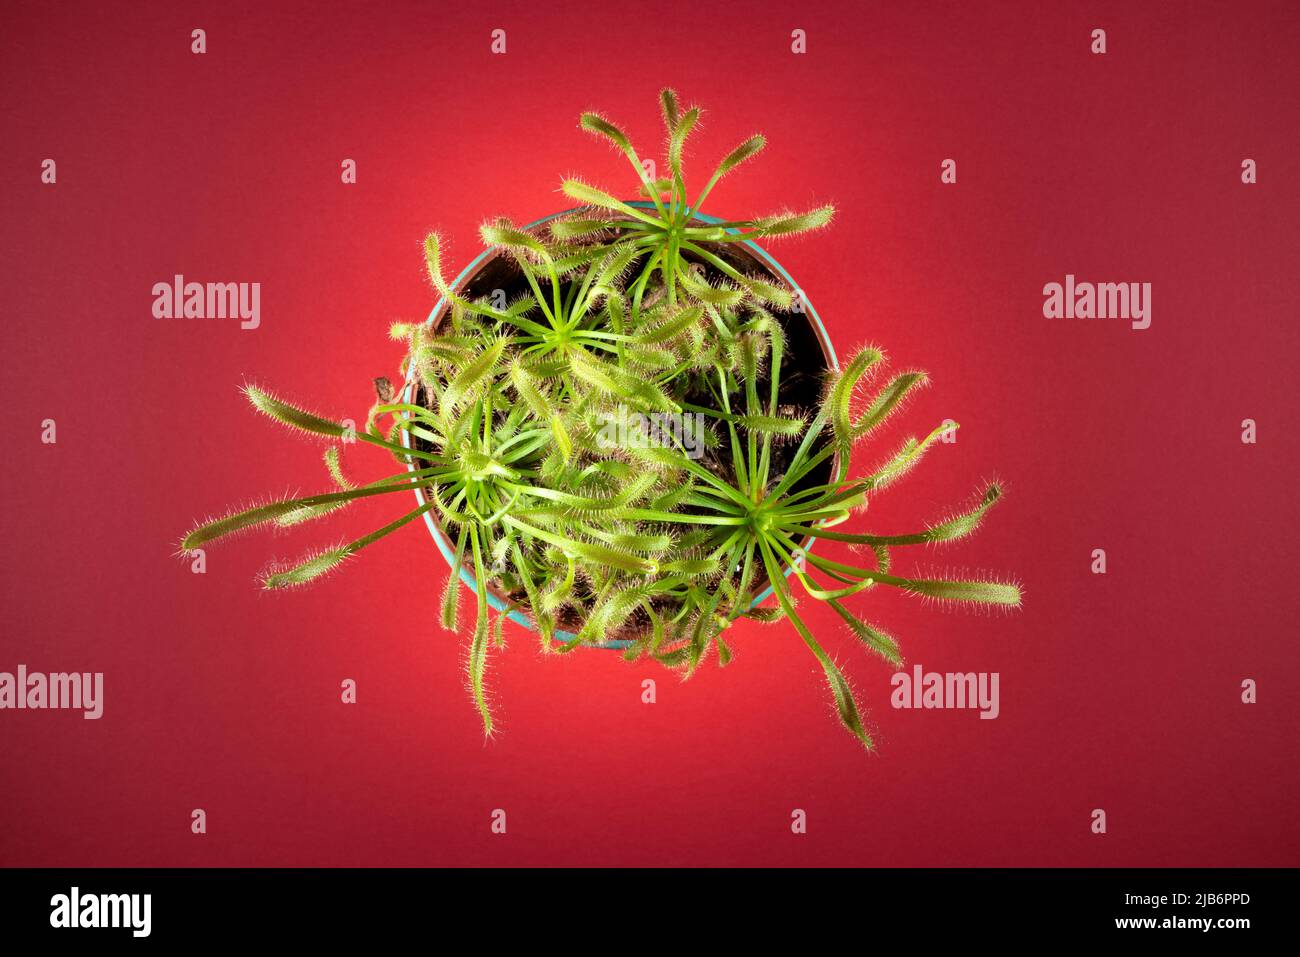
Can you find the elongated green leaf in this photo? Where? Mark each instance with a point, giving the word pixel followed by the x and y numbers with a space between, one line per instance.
pixel 767 292
pixel 318 564
pixel 501 233
pixel 872 637
pixel 746 150
pixel 588 551
pixel 477 663
pixel 845 704
pixel 787 224
pixel 887 401
pixel 677 142
pixel 978 592
pixel 474 374
pixel 307 570
pixel 335 468
pixel 261 514
pixel 669 329
pixel 637 542
pixel 309 513
pixel 772 424
pixel 236 522
pixel 595 123
pixel 691 567
pixel 668 104
pixel 530 390
pixel 433 261
pixel 720 295
pixel 904 460
pixel 292 415
pixel 959 526
pixel 565 229
pixel 658 187
pixel 533 594
pixel 450 611
pixel 591 196
pixel 840 397
pixel 616 382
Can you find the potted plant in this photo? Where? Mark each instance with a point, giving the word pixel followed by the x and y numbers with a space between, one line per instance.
pixel 626 428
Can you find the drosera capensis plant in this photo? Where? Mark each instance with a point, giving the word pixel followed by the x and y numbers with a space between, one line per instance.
pixel 647 313
pixel 670 234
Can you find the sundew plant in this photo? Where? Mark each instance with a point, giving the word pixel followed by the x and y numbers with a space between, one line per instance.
pixel 522 422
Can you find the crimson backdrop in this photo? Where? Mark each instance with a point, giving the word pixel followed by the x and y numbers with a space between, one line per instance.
pixel 1119 691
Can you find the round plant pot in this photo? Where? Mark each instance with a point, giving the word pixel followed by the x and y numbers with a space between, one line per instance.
pixel 808 340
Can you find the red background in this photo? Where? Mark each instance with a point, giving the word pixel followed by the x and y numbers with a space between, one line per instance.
pixel 1119 691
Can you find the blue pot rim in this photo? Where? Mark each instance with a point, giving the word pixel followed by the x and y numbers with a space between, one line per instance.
pixel 441 540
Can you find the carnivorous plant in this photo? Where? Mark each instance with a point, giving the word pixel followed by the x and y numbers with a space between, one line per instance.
pixel 618 447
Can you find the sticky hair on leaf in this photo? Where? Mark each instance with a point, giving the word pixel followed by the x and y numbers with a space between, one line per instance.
pixel 789 224
pixel 745 151
pixel 433 262
pixel 503 233
pixel 590 196
pixel 311 567
pixel 580 228
pixel 668 105
pixel 235 522
pixel 291 415
pixel 595 123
